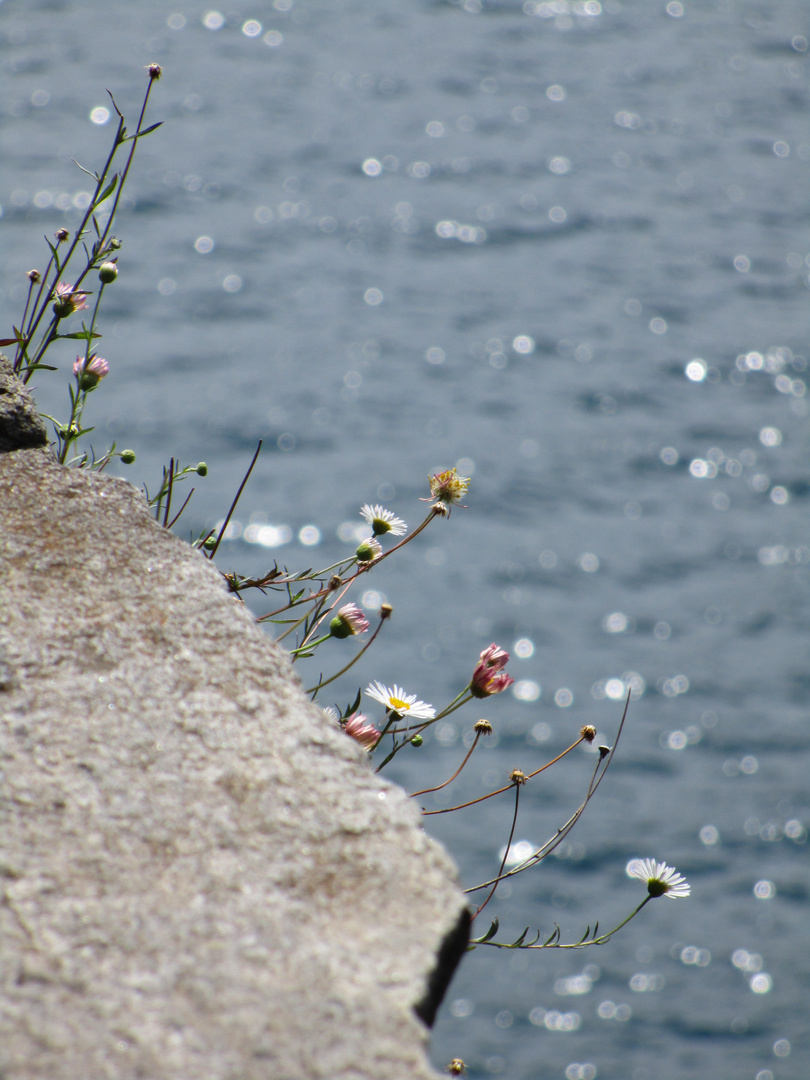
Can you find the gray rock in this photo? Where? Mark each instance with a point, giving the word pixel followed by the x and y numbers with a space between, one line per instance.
pixel 21 426
pixel 201 877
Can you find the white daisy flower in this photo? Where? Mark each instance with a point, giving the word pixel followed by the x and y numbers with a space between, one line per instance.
pixel 396 700
pixel 660 879
pixel 383 521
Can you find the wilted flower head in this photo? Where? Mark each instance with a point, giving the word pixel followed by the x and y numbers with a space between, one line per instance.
pixel 396 700
pixel 366 734
pixel 369 550
pixel 66 300
pixel 488 678
pixel 155 71
pixel 383 521
pixel 90 372
pixel 349 620
pixel 447 489
pixel 661 880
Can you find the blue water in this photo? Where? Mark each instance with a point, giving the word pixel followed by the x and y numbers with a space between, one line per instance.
pixel 568 252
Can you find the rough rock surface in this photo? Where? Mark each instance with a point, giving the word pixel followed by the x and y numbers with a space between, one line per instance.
pixel 21 426
pixel 200 877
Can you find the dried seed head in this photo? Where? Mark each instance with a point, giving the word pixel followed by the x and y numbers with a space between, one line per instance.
pixel 155 71
pixel 386 611
pixel 483 726
pixel 34 276
pixel 588 733
pixel 517 776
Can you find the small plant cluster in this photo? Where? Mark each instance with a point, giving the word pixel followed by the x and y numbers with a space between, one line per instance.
pixel 312 606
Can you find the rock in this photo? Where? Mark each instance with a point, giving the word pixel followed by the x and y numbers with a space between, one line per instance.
pixel 21 426
pixel 201 876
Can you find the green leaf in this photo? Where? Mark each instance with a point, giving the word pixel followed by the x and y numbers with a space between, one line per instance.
pixel 140 134
pixel 108 190
pixel 493 930
pixel 79 335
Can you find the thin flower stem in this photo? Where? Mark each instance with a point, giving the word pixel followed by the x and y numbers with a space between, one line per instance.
pixel 241 486
pixel 303 619
pixel 343 670
pixel 596 779
pixel 499 791
pixel 311 645
pixel 602 939
pixel 505 854
pixel 427 791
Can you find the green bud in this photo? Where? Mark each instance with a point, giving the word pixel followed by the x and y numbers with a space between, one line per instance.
pixel 202 469
pixel 339 627
pixel 128 457
pixel 417 740
pixel 108 272
pixel 370 549
pixel 115 244
pixel 210 543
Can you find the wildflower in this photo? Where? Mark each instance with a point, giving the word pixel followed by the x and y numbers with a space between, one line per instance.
pixel 107 273
pixel 661 880
pixel 397 701
pixel 66 300
pixel 488 678
pixel 448 489
pixel 369 550
pixel 90 372
pixel 366 734
pixel 383 521
pixel 349 620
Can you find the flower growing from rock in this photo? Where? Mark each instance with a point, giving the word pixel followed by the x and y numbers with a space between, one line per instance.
pixel 383 521
pixel 349 620
pixel 90 371
pixel 660 879
pixel 67 300
pixel 357 727
pixel 447 489
pixel 397 701
pixel 488 678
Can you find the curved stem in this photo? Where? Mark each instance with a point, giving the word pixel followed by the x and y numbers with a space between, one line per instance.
pixel 343 670
pixel 518 786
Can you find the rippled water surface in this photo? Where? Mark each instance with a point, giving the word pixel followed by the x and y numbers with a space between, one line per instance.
pixel 563 246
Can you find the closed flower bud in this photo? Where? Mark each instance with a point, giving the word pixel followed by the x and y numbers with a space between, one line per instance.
pixel 155 71
pixel 386 611
pixel 202 469
pixel 417 740
pixel 61 235
pixel 128 457
pixel 34 276
pixel 107 273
